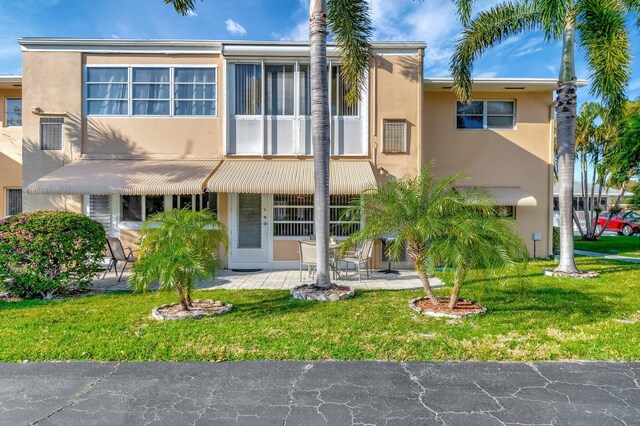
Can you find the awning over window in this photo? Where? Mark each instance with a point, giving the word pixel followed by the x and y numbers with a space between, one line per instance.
pixel 510 196
pixel 290 177
pixel 126 177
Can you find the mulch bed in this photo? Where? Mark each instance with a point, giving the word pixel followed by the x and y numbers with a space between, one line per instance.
pixel 440 308
pixel 199 309
pixel 311 292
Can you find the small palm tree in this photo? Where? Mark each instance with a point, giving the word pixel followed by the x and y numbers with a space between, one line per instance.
pixel 179 248
pixel 350 24
pixel 477 239
pixel 417 210
pixel 601 26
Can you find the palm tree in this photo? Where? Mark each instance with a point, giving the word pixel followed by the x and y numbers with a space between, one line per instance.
pixel 178 248
pixel 417 210
pixel 476 239
pixel 350 24
pixel 604 38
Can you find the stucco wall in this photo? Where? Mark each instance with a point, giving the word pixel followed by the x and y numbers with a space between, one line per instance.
pixel 521 157
pixel 10 152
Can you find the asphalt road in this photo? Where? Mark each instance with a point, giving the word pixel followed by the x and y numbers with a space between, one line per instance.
pixel 319 393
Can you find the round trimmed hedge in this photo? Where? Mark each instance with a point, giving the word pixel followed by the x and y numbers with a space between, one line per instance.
pixel 44 253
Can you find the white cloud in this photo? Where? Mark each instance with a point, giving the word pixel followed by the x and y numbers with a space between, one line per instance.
pixel 191 13
pixel 298 33
pixel 235 28
pixel 634 84
pixel 487 74
pixel 114 36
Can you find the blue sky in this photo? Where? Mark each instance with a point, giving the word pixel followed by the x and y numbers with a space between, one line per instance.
pixel 432 21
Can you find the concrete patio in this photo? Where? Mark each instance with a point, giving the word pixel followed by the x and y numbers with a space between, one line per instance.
pixel 284 279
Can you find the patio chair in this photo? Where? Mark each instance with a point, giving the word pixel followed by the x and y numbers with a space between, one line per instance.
pixel 360 257
pixel 307 252
pixel 117 254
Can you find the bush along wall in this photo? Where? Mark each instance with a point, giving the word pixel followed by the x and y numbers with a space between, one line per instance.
pixel 47 253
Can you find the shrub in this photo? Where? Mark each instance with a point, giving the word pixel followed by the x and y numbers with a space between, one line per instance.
pixel 556 240
pixel 43 253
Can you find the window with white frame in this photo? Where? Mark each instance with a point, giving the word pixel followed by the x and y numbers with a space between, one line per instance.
pixel 138 208
pixel 195 91
pixel 151 91
pixel 13 112
pixel 197 202
pixel 100 209
pixel 338 101
pixel 248 93
pixel 13 201
pixel 279 89
pixel 394 136
pixel 293 215
pixel 496 114
pixel 51 133
pixel 107 91
pixel 304 83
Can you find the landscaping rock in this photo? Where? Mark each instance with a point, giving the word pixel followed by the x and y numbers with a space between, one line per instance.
pixel 309 292
pixel 200 309
pixel 579 274
pixel 464 308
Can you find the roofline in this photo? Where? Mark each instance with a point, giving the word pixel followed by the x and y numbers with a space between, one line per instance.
pixel 540 82
pixel 10 78
pixel 190 46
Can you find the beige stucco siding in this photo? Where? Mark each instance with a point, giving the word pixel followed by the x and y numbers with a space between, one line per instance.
pixel 520 157
pixel 52 82
pixel 395 93
pixel 10 151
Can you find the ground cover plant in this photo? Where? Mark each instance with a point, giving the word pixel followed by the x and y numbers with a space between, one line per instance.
pixel 539 318
pixel 44 253
pixel 623 246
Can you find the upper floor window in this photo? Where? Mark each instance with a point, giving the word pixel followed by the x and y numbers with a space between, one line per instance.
pixel 151 91
pixel 248 89
pixel 151 88
pixel 339 104
pixel 394 136
pixel 107 91
pixel 13 112
pixel 51 132
pixel 486 115
pixel 279 89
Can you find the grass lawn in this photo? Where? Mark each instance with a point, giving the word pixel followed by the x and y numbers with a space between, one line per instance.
pixel 540 318
pixel 623 246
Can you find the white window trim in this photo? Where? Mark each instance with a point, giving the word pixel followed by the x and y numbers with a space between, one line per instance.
pixel 130 84
pixel 11 98
pixel 485 115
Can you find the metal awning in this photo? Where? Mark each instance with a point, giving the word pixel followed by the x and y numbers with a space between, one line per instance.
pixel 510 196
pixel 126 177
pixel 290 177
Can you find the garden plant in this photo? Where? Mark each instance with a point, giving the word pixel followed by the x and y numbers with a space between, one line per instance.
pixel 47 253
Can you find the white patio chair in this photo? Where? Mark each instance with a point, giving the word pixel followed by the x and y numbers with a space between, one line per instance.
pixel 360 257
pixel 307 252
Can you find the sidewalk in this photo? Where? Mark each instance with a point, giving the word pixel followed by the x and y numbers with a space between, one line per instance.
pixel 607 256
pixel 320 393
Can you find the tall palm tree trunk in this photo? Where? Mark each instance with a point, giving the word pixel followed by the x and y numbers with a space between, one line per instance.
pixel 566 116
pixel 320 136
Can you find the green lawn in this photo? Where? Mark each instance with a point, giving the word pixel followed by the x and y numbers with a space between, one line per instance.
pixel 541 318
pixel 623 246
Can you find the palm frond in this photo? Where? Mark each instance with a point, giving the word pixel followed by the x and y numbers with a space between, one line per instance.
pixel 464 8
pixel 488 29
pixel 605 39
pixel 183 7
pixel 553 15
pixel 350 24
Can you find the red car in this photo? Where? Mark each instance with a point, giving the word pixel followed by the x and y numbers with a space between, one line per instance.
pixel 623 225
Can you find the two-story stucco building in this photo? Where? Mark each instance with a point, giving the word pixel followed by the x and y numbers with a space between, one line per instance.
pixel 120 129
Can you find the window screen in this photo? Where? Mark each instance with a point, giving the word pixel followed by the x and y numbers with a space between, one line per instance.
pixel 51 133
pixel 394 136
pixel 14 201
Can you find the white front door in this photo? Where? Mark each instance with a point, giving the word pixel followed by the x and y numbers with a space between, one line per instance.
pixel 249 222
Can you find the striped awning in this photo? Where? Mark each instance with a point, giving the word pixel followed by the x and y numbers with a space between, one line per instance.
pixel 510 196
pixel 290 177
pixel 126 177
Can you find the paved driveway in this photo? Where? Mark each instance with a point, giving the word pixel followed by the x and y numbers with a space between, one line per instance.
pixel 319 393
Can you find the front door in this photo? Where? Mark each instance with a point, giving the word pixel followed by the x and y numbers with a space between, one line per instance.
pixel 249 233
